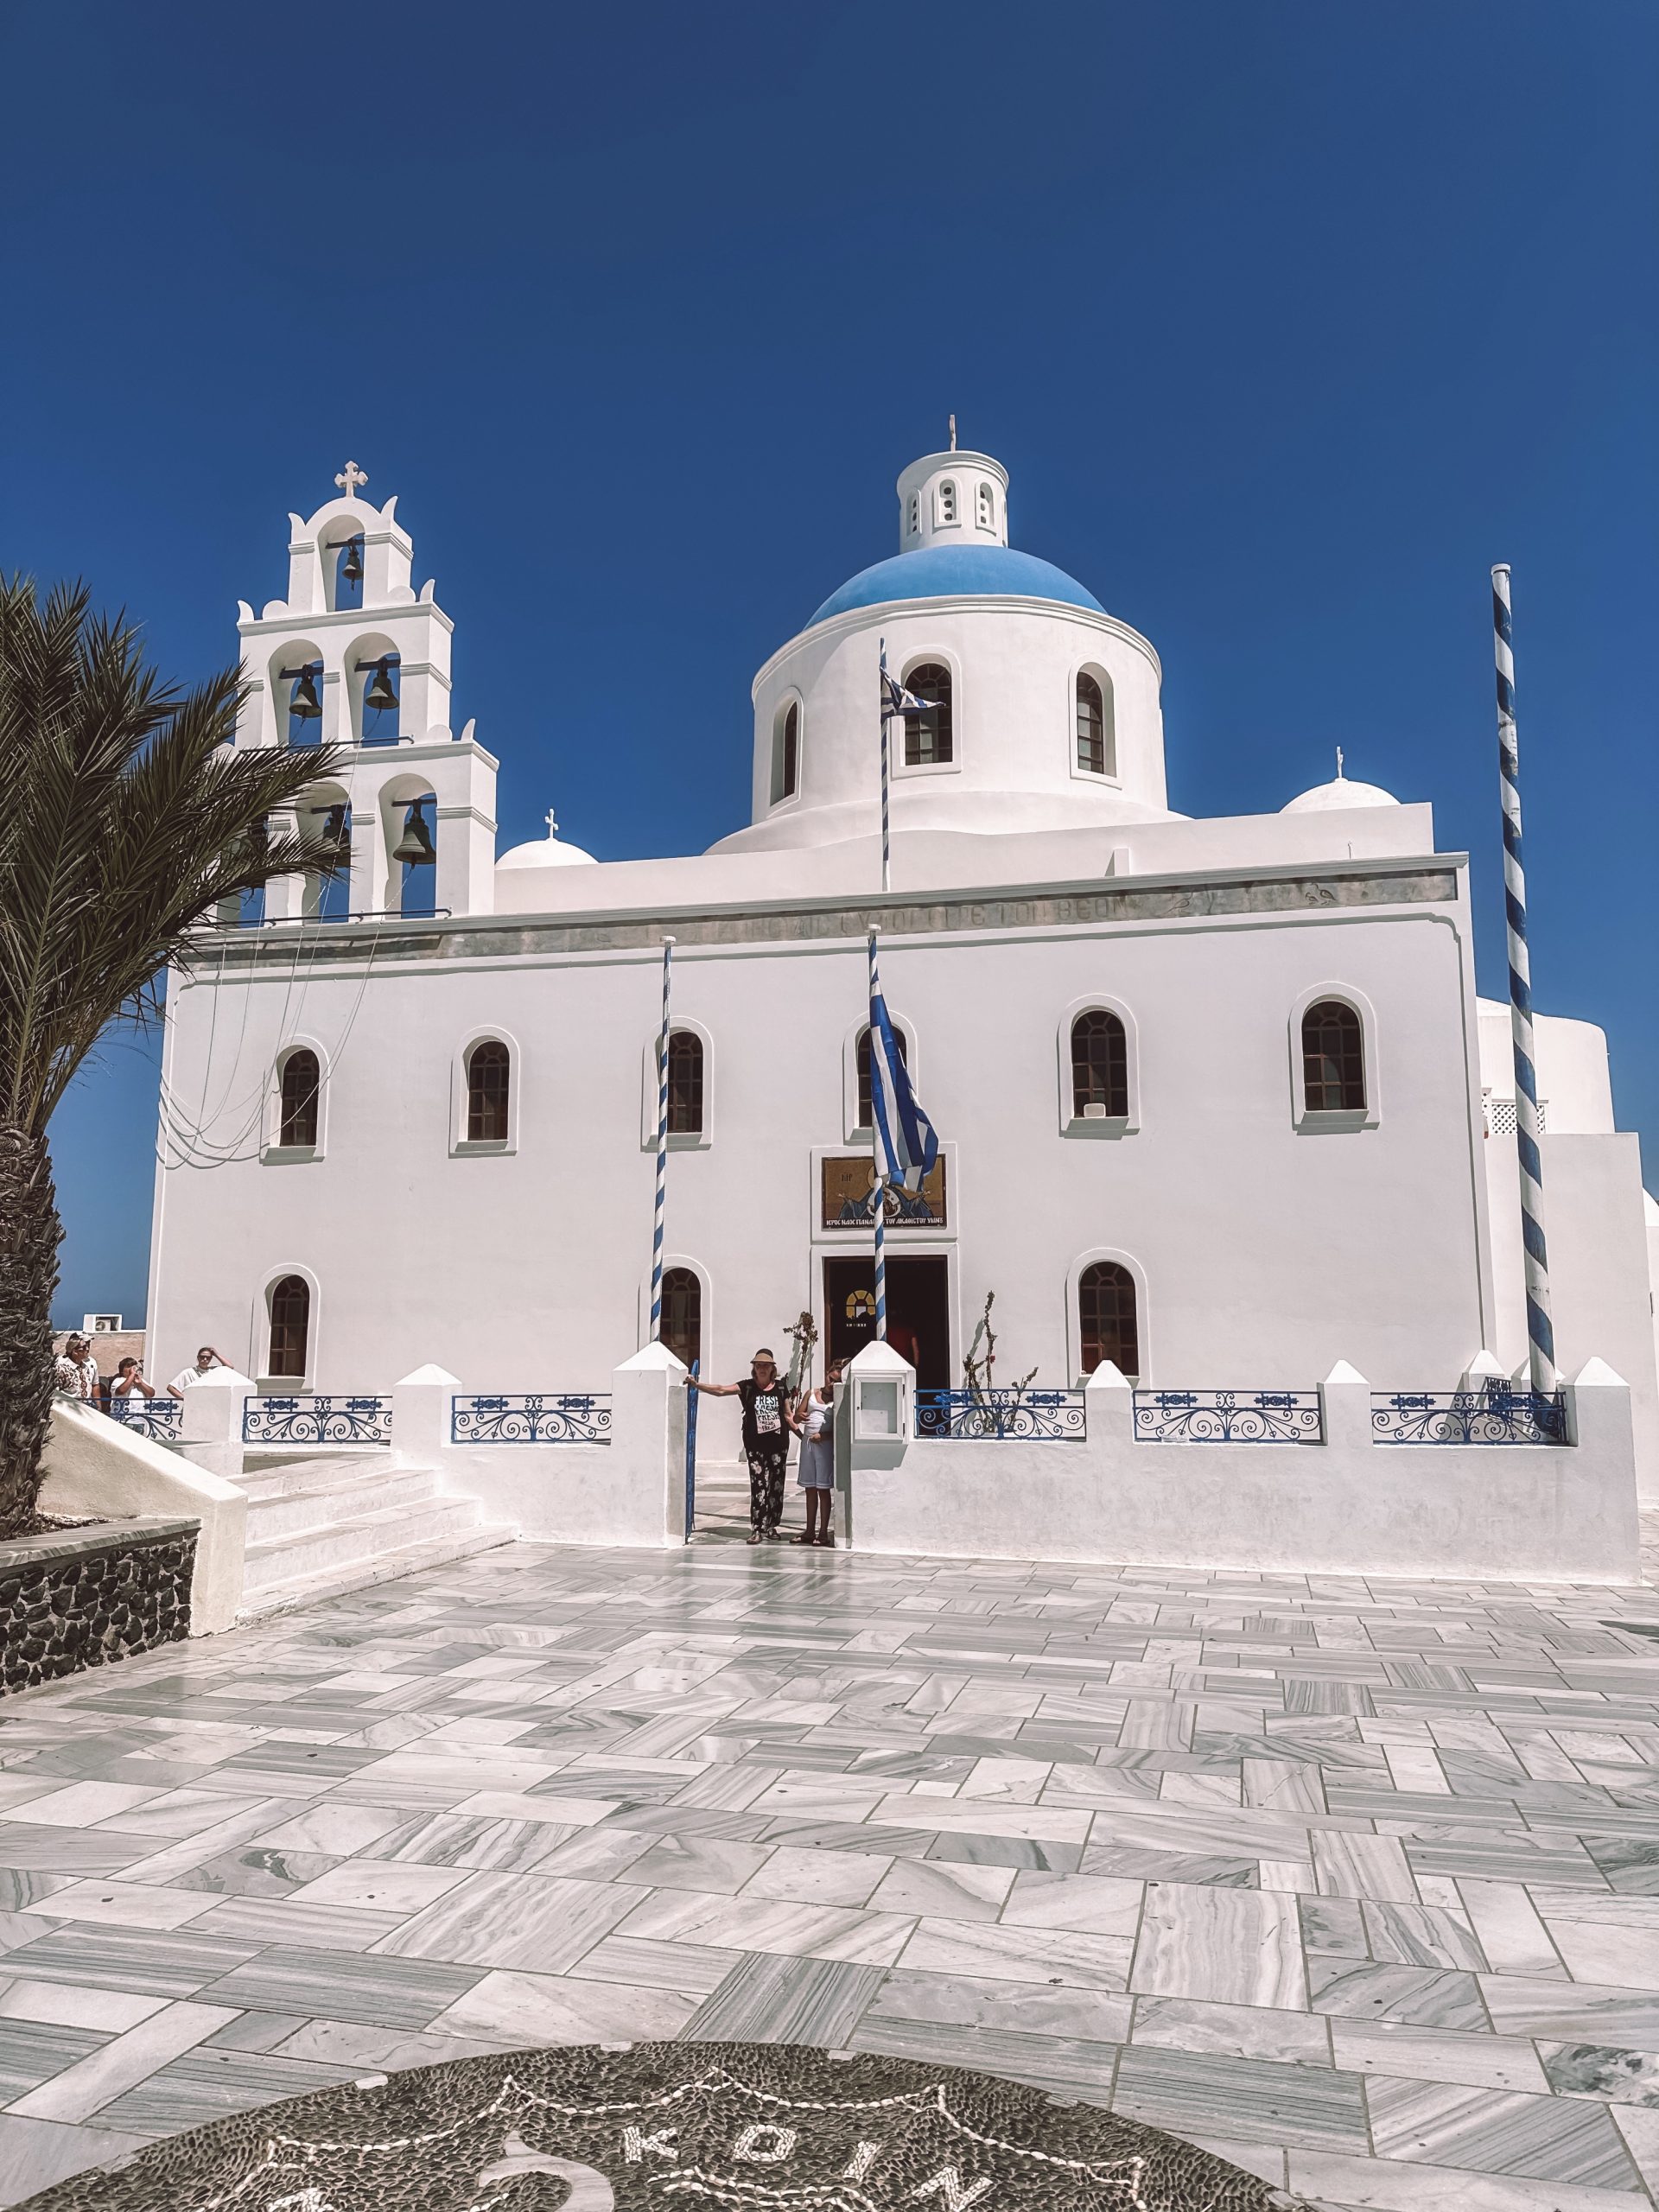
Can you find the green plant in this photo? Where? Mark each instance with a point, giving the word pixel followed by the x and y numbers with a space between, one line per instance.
pixel 128 819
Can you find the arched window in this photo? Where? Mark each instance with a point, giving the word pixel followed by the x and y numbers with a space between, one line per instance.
pixel 1333 1058
pixel 1100 1067
pixel 347 560
pixel 1106 1318
pixel 985 507
pixel 489 1072
pixel 415 856
pixel 1091 727
pixel 684 1084
pixel 302 1079
pixel 290 1326
pixel 866 1110
pixel 682 1314
pixel 915 512
pixel 786 753
pixel 382 692
pixel 929 738
pixel 947 506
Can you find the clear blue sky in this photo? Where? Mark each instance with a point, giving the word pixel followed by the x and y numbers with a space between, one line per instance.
pixel 1287 318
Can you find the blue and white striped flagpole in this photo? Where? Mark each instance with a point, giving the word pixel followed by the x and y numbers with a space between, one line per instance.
pixel 886 839
pixel 1540 1337
pixel 662 1153
pixel 875 1151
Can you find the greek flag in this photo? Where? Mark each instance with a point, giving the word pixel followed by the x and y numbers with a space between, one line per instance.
pixel 905 1144
pixel 895 700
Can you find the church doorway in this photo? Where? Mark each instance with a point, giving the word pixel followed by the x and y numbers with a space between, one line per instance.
pixel 919 1312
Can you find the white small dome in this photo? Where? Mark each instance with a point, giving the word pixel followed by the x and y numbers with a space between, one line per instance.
pixel 1326 798
pixel 546 852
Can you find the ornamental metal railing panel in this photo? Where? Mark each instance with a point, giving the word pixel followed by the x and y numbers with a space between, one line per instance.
pixel 1228 1417
pixel 532 1417
pixel 308 1417
pixel 156 1417
pixel 1050 1416
pixel 1493 1415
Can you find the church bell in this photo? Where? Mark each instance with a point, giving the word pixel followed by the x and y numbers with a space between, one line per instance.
pixel 350 568
pixel 415 846
pixel 305 702
pixel 380 696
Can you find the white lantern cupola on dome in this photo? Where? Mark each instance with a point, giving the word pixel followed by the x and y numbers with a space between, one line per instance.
pixel 953 498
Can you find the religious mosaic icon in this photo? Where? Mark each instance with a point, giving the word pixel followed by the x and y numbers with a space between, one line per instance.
pixel 847 1193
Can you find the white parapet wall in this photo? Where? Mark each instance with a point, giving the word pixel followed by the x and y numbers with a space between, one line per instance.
pixel 1347 1505
pixel 628 1491
pixel 104 1469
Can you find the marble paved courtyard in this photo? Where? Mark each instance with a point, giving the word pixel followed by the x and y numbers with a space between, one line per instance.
pixel 1357 1882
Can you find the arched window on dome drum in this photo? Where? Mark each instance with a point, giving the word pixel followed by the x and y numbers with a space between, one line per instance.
pixel 1100 1067
pixel 1333 1058
pixel 915 512
pixel 786 753
pixel 684 1084
pixel 1093 756
pixel 290 1328
pixel 929 738
pixel 866 1110
pixel 489 1073
pixel 682 1314
pixel 947 506
pixel 986 507
pixel 1106 1318
pixel 302 1079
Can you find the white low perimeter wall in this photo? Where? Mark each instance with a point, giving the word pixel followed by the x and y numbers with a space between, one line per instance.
pixel 101 1468
pixel 1528 1513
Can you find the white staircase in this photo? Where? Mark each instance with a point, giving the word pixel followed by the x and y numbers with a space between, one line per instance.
pixel 323 1523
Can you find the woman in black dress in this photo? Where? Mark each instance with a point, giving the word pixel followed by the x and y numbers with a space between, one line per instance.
pixel 767 1423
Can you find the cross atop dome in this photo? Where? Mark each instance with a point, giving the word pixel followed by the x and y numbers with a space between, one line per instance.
pixel 350 477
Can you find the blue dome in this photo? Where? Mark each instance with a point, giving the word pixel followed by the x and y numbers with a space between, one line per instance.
pixel 954 572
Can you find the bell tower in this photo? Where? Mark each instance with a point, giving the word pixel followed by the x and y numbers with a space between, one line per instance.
pixel 354 656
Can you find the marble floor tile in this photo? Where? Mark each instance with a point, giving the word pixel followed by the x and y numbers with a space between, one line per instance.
pixel 208 2084
pixel 543 1922
pixel 1395 2047
pixel 35 2153
pixel 1091 1905
pixel 1349 2183
pixel 119 2065
pixel 1421 1935
pixel 544 2008
pixel 1506 1924
pixel 380 1885
pixel 114 1903
pixel 1423 1997
pixel 1352 1865
pixel 716 1864
pixel 336 1830
pixel 1232 2031
pixel 857 1937
pixel 1025 2008
pixel 1237 1947
pixel 944 1889
pixel 818 1877
pixel 1604 2070
pixel 1568 2010
pixel 67 2004
pixel 32 2052
pixel 1548 2139
pixel 161 1965
pixel 1076 2069
pixel 696 1969
pixel 771 1999
pixel 332 1985
pixel 1254 2099
pixel 1004 1954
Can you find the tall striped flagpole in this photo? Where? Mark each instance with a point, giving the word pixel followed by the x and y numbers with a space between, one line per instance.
pixel 1540 1337
pixel 886 839
pixel 661 1153
pixel 875 1144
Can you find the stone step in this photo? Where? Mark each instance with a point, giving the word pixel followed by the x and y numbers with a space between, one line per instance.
pixel 289 1512
pixel 315 1549
pixel 269 1475
pixel 363 1574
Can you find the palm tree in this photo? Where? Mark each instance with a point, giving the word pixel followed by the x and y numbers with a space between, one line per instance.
pixel 125 818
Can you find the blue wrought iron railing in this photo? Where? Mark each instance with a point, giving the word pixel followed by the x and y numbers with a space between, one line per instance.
pixel 311 1418
pixel 1054 1416
pixel 1494 1414
pixel 158 1416
pixel 532 1417
pixel 1228 1417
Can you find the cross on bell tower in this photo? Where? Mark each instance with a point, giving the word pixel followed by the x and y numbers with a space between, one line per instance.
pixel 350 477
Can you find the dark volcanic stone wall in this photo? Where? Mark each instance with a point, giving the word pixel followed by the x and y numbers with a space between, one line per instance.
pixel 87 1596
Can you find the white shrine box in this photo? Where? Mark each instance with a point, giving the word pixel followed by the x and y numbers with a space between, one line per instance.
pixel 882 1405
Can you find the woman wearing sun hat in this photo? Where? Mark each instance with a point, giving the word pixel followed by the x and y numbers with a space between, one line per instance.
pixel 767 1423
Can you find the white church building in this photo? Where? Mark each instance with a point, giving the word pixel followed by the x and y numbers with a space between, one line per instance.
pixel 1217 1100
